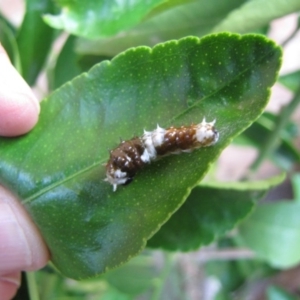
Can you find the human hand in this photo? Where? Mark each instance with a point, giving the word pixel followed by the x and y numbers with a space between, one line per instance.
pixel 21 245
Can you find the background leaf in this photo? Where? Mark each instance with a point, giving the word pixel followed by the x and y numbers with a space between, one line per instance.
pixel 8 41
pixel 66 67
pixel 295 180
pixel 94 19
pixel 273 233
pixel 256 14
pixel 56 170
pixel 277 293
pixel 291 80
pixel 134 277
pixel 70 64
pixel 211 210
pixel 34 38
pixel 196 18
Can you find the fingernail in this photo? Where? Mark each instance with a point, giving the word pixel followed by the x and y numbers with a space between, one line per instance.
pixel 15 254
pixel 28 95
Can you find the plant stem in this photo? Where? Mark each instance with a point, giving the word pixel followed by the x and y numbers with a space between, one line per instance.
pixel 32 287
pixel 272 140
pixel 159 286
pixel 292 35
pixel 296 186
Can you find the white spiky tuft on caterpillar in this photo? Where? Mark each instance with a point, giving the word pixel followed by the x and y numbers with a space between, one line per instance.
pixel 130 156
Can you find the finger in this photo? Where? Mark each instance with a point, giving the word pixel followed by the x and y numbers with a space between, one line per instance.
pixel 22 246
pixel 9 285
pixel 19 108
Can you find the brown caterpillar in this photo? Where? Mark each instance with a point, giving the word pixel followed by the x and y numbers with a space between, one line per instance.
pixel 130 156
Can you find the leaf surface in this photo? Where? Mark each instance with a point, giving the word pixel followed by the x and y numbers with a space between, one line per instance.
pixel 56 170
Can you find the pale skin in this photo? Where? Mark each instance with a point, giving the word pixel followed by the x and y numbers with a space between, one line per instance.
pixel 21 245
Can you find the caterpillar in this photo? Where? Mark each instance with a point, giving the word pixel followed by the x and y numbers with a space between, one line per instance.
pixel 132 155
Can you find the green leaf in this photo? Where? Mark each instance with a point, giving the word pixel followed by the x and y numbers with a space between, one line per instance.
pixel 190 19
pixel 66 67
pixel 34 38
pixel 69 64
pixel 295 180
pixel 112 294
pixel 256 14
pixel 291 80
pixel 8 41
pixel 277 293
pixel 93 19
pixel 137 276
pixel 56 170
pixel 273 232
pixel 209 212
pixel 134 277
pixel 167 5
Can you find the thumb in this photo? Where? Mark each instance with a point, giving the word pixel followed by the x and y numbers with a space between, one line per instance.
pixel 21 245
pixel 19 107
